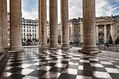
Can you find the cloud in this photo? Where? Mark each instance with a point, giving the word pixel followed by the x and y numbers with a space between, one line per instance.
pixel 107 7
pixel 30 9
pixel 103 8
pixel 75 8
pixel 30 5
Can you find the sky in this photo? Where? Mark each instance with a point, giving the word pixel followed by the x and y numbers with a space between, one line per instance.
pixel 103 8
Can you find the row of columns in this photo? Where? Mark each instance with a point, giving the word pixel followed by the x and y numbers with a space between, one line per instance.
pixel 53 23
pixel 15 25
pixel 108 30
pixel 88 24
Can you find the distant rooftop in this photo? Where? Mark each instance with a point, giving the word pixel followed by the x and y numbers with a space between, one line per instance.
pixel 77 20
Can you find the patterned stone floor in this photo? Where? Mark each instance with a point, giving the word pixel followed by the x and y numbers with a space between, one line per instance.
pixel 44 64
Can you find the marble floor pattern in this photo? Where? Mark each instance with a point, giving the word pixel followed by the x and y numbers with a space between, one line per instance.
pixel 35 63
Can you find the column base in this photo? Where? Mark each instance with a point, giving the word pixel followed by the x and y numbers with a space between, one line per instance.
pixel 43 46
pixel 65 46
pixel 1 49
pixel 53 47
pixel 6 47
pixel 90 50
pixel 16 49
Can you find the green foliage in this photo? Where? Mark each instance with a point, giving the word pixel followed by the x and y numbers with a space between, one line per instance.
pixel 117 40
pixel 110 40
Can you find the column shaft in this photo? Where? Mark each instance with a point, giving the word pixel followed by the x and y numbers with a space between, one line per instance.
pixel 81 32
pixel 15 25
pixel 4 23
pixel 105 33
pixel 43 23
pixel 39 23
pixel 111 30
pixel 64 21
pixel 97 34
pixel 89 32
pixel 1 36
pixel 53 24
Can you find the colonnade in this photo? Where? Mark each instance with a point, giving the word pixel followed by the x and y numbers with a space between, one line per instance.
pixel 15 25
pixel 53 18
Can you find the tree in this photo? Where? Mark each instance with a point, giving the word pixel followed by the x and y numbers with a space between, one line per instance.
pixel 117 40
pixel 110 40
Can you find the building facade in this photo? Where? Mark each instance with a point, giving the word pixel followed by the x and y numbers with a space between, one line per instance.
pixel 107 28
pixel 29 29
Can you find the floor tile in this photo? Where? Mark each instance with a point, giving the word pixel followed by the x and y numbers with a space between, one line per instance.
pixel 37 73
pixel 114 76
pixel 71 71
pixel 85 73
pixel 56 69
pixel 59 64
pixel 102 75
pixel 97 65
pixel 112 70
pixel 67 76
pixel 83 77
pixel 51 75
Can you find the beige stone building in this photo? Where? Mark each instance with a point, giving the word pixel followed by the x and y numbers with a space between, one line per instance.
pixel 106 27
pixel 75 30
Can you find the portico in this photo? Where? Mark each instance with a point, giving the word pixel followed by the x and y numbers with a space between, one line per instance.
pixel 89 38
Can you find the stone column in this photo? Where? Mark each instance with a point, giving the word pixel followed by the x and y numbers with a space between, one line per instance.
pixel 43 23
pixel 64 22
pixel 39 20
pixel 97 34
pixel 105 33
pixel 111 30
pixel 89 37
pixel 1 36
pixel 76 33
pixel 15 25
pixel 81 32
pixel 4 23
pixel 53 24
